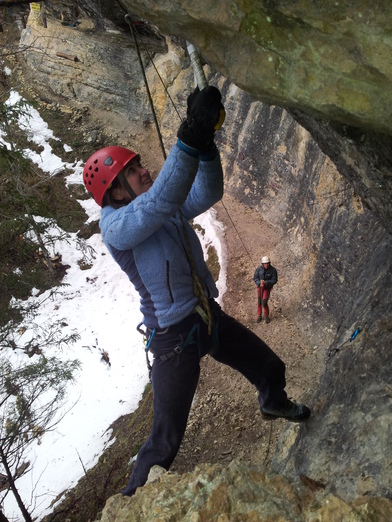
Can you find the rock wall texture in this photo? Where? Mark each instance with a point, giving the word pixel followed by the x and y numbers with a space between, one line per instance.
pixel 325 184
pixel 239 492
pixel 333 61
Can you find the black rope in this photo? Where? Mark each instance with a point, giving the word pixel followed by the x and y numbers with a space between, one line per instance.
pixel 159 76
pixel 198 287
pixel 129 22
pixel 232 222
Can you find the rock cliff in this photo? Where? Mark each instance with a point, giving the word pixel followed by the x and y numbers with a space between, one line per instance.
pixel 239 492
pixel 282 68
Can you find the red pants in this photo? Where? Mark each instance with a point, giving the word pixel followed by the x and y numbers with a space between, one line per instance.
pixel 262 300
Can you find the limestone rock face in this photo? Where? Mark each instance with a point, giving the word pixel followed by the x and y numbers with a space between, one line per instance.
pixel 332 244
pixel 239 492
pixel 331 60
pixel 87 67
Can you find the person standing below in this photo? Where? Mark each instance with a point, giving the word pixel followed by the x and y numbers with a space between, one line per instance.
pixel 145 226
pixel 265 278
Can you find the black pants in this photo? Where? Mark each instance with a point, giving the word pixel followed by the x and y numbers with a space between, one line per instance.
pixel 175 376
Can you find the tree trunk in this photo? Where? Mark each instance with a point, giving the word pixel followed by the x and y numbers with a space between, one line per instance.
pixel 22 507
pixel 3 518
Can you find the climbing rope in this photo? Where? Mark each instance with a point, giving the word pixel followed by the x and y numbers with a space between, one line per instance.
pixel 238 234
pixel 129 22
pixel 198 287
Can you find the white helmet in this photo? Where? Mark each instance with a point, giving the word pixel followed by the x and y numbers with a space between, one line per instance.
pixel 265 259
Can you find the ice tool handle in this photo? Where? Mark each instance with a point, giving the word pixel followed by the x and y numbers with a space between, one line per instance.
pixel 201 78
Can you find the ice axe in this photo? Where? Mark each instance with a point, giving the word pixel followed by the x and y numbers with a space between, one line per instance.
pixel 200 77
pixel 198 71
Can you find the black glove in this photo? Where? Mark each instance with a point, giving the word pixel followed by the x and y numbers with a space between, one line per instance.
pixel 205 113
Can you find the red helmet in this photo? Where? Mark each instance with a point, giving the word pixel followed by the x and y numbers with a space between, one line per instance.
pixel 102 167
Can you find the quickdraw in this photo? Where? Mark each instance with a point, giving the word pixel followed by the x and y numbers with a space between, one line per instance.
pixel 147 339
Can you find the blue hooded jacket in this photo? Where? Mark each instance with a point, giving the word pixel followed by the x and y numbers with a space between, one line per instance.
pixel 146 236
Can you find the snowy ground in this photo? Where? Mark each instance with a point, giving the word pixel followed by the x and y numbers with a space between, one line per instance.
pixel 102 307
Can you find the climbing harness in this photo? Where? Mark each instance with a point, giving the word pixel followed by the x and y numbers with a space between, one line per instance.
pixel 332 351
pixel 148 336
pixel 193 337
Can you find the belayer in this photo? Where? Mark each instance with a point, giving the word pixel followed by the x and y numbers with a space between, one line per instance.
pixel 265 277
pixel 145 226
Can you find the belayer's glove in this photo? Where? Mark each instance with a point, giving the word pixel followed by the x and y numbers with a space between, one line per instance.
pixel 205 114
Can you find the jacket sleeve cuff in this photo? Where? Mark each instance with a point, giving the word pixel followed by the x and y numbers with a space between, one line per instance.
pixel 189 150
pixel 203 156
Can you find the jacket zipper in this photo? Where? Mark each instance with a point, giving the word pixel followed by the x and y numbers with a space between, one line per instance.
pixel 168 280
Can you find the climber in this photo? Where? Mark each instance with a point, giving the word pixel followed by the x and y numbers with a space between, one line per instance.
pixel 145 226
pixel 265 278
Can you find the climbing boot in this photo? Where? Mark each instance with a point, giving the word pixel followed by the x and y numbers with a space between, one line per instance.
pixel 258 319
pixel 291 411
pixel 267 320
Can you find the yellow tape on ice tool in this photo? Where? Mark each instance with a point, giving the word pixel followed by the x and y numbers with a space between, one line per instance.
pixel 222 116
